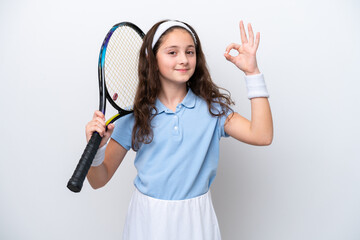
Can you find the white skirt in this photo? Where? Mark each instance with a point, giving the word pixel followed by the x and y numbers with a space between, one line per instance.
pixel 155 219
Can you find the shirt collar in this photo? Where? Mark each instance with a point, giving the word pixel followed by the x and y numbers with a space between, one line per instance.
pixel 189 102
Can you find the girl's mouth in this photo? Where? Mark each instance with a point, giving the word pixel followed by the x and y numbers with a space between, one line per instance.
pixel 182 70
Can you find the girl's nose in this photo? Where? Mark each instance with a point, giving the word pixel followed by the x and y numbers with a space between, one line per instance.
pixel 183 59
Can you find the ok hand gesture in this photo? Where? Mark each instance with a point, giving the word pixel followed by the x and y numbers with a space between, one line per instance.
pixel 246 58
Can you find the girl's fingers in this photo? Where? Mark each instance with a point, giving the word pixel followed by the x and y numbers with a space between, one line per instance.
pixel 229 57
pixel 110 129
pixel 99 114
pixel 99 130
pixel 95 126
pixel 107 134
pixel 251 41
pixel 111 126
pixel 251 34
pixel 100 121
pixel 232 46
pixel 257 40
pixel 243 33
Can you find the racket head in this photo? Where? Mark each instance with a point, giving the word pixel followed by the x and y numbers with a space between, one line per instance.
pixel 118 66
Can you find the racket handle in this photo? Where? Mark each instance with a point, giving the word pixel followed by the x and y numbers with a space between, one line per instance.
pixel 76 181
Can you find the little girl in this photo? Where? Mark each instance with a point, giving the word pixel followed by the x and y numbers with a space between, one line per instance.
pixel 178 120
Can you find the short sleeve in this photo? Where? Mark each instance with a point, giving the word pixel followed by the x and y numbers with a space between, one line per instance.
pixel 123 130
pixel 222 124
pixel 221 120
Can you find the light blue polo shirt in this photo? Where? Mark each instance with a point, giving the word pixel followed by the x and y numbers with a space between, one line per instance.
pixel 182 159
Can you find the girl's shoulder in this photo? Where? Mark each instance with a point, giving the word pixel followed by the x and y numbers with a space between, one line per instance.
pixel 127 120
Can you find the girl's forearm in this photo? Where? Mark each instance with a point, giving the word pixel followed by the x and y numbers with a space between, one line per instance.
pixel 261 120
pixel 98 176
pixel 101 175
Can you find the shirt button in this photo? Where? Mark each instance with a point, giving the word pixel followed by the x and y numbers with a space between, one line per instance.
pixel 176 128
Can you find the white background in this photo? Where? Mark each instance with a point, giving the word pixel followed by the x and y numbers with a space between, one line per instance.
pixel 303 186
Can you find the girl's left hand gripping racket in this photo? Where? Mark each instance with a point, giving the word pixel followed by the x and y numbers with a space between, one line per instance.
pixel 118 80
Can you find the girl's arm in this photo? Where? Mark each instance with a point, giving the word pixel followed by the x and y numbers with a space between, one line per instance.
pixel 258 131
pixel 100 174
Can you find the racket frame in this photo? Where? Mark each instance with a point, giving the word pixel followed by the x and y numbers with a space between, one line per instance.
pixel 76 181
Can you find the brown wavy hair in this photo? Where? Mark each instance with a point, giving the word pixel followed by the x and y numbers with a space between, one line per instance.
pixel 149 86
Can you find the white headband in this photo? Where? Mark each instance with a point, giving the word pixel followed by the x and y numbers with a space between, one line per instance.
pixel 165 26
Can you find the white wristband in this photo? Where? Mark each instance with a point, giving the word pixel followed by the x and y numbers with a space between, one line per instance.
pixel 99 157
pixel 256 86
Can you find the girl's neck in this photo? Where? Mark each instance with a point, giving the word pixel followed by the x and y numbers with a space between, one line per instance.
pixel 172 95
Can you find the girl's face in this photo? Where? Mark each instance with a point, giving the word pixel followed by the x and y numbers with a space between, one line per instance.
pixel 176 57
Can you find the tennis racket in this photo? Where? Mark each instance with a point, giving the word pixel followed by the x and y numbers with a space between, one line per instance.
pixel 118 80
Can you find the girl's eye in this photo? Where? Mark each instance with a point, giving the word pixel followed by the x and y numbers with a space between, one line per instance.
pixel 190 52
pixel 172 53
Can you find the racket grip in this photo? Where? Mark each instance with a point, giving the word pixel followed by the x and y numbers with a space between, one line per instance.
pixel 76 181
